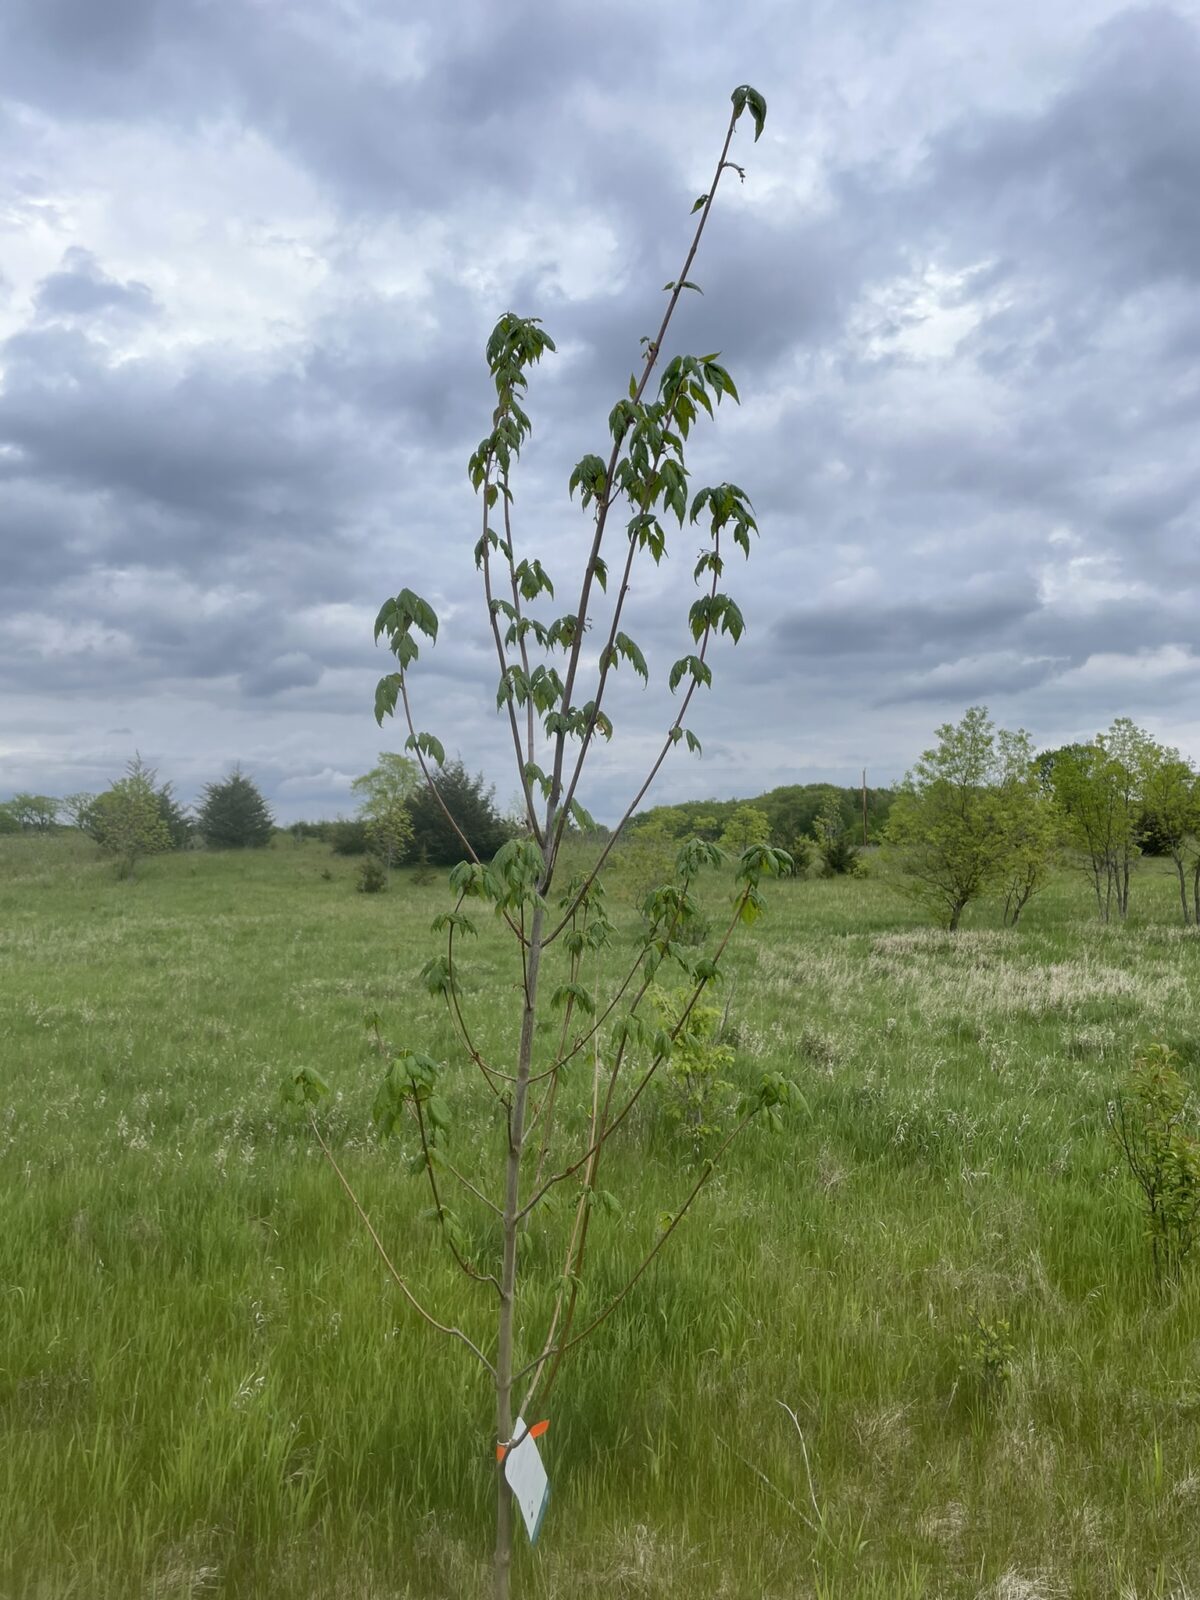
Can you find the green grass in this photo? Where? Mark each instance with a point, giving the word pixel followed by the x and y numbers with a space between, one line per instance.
pixel 208 1386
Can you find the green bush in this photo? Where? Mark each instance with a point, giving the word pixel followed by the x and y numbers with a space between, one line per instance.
pixel 985 1353
pixel 349 838
pixel 643 859
pixel 694 1095
pixel 839 858
pixel 801 851
pixel 1154 1124
pixel 127 820
pixel 372 876
pixel 423 873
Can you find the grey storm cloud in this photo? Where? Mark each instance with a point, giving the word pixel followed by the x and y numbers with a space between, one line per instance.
pixel 250 256
pixel 295 670
pixel 905 629
pixel 205 438
pixel 81 288
pixel 1108 167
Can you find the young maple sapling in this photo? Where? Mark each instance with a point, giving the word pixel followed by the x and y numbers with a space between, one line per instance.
pixel 568 1008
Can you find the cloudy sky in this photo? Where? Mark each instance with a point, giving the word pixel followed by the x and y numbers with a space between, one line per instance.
pixel 250 251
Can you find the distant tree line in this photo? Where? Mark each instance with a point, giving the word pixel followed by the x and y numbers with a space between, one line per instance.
pixel 399 817
pixel 817 823
pixel 981 813
pixel 137 816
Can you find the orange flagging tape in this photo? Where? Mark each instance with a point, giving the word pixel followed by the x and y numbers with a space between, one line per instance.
pixel 536 1432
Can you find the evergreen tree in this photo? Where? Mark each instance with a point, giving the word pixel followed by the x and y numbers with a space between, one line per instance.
pixel 470 803
pixel 234 815
pixel 174 818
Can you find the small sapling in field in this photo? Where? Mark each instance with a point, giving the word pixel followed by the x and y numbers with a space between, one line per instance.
pixel 585 1038
pixel 985 1353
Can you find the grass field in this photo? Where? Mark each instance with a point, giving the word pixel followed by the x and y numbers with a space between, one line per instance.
pixel 208 1386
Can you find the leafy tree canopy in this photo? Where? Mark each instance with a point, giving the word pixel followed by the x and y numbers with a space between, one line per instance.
pixel 126 821
pixel 961 812
pixel 745 827
pixel 34 813
pixel 394 780
pixel 385 793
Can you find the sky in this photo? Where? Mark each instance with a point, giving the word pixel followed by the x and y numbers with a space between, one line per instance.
pixel 250 253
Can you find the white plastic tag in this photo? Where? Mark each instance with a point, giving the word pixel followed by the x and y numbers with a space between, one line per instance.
pixel 527 1479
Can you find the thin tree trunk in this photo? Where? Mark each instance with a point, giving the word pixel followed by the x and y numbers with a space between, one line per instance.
pixel 1183 898
pixel 502 1566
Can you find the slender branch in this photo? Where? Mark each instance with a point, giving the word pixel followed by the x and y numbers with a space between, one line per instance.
pixel 602 1017
pixel 668 744
pixel 606 655
pixel 575 1248
pixel 441 1327
pixel 471 1188
pixel 638 997
pixel 812 1493
pixel 547 1106
pixel 636 1002
pixel 657 1061
pixel 436 792
pixel 705 1175
pixel 762 1477
pixel 428 776
pixel 490 1074
pixel 502 655
pixel 547 1103
pixel 467 1268
pixel 522 646
pixel 589 572
pixel 566 1172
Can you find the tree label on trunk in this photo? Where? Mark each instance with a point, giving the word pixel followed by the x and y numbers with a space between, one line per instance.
pixel 527 1476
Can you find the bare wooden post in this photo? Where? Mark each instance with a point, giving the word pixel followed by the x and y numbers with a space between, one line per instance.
pixel 864 800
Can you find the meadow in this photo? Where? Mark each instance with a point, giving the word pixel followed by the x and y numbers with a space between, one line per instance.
pixel 209 1387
